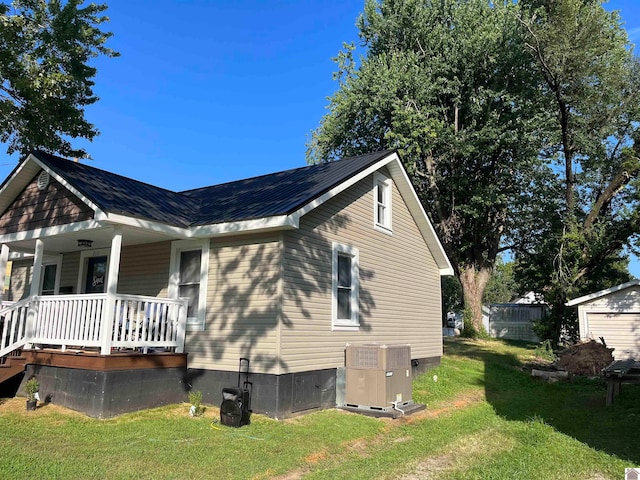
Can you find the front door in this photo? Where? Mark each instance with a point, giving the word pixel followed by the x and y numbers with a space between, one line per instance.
pixel 96 275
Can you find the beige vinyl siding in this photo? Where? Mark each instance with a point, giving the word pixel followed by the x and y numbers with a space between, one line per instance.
pixel 20 283
pixel 243 305
pixel 399 283
pixel 144 269
pixel 622 301
pixel 69 271
pixel 620 331
pixel 616 318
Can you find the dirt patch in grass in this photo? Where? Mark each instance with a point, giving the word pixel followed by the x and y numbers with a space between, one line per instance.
pixel 460 454
pixel 17 405
pixel 463 400
pixel 362 446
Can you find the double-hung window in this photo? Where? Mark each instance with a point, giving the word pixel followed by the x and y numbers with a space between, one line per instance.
pixel 345 286
pixel 189 273
pixel 382 202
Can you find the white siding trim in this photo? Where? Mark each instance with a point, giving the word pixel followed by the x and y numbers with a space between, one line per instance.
pixel 58 263
pixel 384 227
pixel 178 247
pixel 248 226
pixel 602 293
pixel 50 231
pixel 64 183
pixel 354 323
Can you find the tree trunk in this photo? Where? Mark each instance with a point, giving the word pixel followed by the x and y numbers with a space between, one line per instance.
pixel 473 283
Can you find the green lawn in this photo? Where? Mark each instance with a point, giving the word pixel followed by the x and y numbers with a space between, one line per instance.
pixel 485 418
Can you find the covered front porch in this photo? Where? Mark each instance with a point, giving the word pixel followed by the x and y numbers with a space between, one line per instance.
pixel 94 323
pixel 96 317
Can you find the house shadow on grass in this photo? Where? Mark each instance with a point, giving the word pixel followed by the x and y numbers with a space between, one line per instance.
pixel 576 408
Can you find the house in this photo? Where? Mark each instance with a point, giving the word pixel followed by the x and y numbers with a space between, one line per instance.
pixel 612 314
pixel 128 295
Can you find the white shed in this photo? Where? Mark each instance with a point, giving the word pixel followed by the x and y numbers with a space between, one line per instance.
pixel 613 314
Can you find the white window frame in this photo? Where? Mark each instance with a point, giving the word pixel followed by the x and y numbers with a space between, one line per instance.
pixel 58 263
pixel 197 322
pixel 84 261
pixel 352 323
pixel 382 181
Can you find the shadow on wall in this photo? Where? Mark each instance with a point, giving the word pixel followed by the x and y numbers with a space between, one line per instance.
pixel 246 297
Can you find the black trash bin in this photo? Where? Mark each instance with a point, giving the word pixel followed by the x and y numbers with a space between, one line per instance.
pixel 235 410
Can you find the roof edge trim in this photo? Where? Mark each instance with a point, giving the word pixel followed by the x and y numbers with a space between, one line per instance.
pixel 50 231
pixel 602 293
pixel 63 181
pixel 280 222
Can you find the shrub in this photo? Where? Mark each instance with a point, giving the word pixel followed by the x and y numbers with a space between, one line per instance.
pixel 195 398
pixel 31 388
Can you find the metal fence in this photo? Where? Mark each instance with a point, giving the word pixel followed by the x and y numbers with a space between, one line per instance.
pixel 514 321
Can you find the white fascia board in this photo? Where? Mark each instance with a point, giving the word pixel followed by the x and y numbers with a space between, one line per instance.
pixel 602 293
pixel 64 183
pixel 281 222
pixel 346 184
pixel 204 231
pixel 410 196
pixel 14 185
pixel 50 231
pixel 116 219
pixel 392 161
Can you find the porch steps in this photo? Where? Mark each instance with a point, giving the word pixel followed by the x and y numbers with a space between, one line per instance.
pixel 11 365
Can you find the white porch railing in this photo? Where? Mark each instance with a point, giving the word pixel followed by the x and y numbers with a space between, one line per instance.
pixel 13 319
pixel 78 321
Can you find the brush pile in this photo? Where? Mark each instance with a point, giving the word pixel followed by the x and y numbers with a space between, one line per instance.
pixel 585 358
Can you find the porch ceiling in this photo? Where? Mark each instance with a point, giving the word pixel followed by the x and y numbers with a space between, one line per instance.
pixel 101 238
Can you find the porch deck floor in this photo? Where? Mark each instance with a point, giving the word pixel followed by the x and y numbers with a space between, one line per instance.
pixel 90 359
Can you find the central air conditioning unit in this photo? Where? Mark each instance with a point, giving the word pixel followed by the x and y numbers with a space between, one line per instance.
pixel 378 377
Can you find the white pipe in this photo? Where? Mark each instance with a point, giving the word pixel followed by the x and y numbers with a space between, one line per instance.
pixel 395 406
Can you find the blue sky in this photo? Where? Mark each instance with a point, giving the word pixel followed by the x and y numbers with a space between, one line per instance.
pixel 206 92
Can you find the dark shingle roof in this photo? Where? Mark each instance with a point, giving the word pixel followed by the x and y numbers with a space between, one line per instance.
pixel 117 194
pixel 270 195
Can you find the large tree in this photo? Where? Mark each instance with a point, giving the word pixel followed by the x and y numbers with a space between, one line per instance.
pixel 447 84
pixel 46 78
pixel 588 191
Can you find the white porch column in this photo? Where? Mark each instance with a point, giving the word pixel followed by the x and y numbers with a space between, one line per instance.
pixel 32 313
pixel 106 332
pixel 4 258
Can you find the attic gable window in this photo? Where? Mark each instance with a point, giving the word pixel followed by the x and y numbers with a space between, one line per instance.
pixel 382 203
pixel 345 287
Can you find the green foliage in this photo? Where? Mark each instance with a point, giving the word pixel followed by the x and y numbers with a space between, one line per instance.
pixel 502 286
pixel 31 387
pixel 574 242
pixel 448 85
pixel 451 294
pixel 195 399
pixel 486 419
pixel 47 79
pixel 545 351
pixel 469 330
